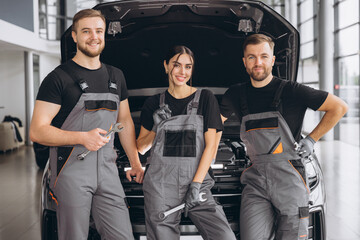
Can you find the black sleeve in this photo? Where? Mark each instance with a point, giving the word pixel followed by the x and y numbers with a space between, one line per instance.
pixel 228 100
pixel 147 111
pixel 210 111
pixel 122 89
pixel 51 89
pixel 310 97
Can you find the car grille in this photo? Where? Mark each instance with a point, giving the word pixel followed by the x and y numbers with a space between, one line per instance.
pixel 317 225
pixel 49 231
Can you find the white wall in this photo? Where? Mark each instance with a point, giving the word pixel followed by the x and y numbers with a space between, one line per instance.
pixel 23 39
pixel 12 84
pixel 12 81
pixel 47 64
pixel 17 44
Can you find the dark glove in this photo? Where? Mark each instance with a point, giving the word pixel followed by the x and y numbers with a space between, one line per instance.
pixel 306 146
pixel 160 115
pixel 192 197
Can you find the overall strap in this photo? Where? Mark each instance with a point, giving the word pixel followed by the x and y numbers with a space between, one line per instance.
pixel 277 99
pixel 243 100
pixel 194 104
pixel 112 83
pixel 74 76
pixel 162 99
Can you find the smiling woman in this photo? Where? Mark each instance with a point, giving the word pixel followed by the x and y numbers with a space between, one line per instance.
pixel 179 125
pixel 179 69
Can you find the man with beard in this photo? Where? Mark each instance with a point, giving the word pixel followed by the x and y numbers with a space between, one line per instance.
pixel 275 199
pixel 77 103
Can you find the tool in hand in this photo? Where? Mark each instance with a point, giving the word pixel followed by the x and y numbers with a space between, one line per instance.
pixel 297 148
pixel 116 127
pixel 163 215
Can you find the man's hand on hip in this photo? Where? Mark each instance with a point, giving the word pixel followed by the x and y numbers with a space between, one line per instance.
pixel 306 146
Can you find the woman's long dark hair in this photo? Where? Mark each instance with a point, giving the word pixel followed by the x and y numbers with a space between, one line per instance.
pixel 180 49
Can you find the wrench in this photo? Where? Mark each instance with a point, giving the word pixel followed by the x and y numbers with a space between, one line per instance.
pixel 116 127
pixel 297 149
pixel 163 215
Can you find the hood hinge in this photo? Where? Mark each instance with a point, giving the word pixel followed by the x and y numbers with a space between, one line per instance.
pixel 245 25
pixel 114 28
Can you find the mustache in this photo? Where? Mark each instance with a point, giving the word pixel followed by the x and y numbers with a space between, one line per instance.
pixel 258 66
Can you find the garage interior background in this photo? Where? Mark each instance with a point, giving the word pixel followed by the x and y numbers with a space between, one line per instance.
pixel 329 35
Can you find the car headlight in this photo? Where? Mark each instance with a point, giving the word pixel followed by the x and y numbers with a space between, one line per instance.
pixel 312 172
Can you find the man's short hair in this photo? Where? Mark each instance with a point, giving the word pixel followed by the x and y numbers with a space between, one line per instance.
pixel 86 13
pixel 257 39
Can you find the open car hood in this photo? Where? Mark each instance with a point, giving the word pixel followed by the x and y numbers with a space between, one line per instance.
pixel 139 34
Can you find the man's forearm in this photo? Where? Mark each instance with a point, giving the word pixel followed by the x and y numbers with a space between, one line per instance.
pixel 334 108
pixel 328 121
pixel 52 136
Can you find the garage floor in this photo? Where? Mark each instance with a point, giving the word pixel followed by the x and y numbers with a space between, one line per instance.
pixel 20 181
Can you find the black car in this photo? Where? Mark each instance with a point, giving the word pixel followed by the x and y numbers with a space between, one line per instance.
pixel 137 37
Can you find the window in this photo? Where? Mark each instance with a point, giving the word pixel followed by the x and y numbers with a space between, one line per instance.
pixel 347 66
pixel 306 19
pixel 55 16
pixel 349 40
pixel 277 5
pixel 348 13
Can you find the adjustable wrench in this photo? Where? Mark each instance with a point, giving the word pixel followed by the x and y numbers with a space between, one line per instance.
pixel 163 215
pixel 116 127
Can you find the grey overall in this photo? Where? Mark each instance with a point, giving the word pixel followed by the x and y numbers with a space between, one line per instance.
pixel 92 185
pixel 174 159
pixel 276 196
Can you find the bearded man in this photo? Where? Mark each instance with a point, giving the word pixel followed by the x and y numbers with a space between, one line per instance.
pixel 77 103
pixel 275 199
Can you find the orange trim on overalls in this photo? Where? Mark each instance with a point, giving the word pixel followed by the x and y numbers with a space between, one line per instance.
pixel 63 167
pixel 279 149
pixel 261 128
pixel 54 198
pixel 300 176
pixel 91 110
pixel 246 170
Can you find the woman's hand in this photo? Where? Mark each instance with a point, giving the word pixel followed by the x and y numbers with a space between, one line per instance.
pixel 192 198
pixel 160 115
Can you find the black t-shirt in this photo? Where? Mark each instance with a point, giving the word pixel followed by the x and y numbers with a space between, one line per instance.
pixel 208 108
pixel 63 90
pixel 295 99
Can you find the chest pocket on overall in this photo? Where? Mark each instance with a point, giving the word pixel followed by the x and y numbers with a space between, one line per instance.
pixel 95 105
pixel 180 143
pixel 180 133
pixel 265 134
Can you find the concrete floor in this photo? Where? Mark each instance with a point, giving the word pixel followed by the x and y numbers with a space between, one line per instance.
pixel 20 181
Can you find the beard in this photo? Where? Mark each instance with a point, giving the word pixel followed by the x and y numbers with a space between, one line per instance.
pixel 259 76
pixel 90 53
